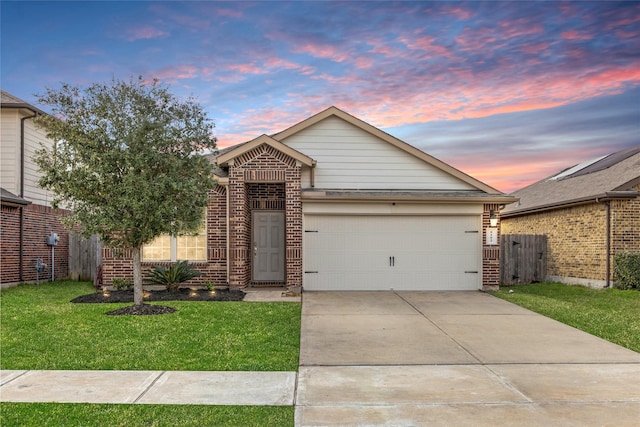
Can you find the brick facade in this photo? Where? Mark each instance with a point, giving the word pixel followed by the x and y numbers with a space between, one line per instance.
pixel 261 179
pixel 264 178
pixel 38 223
pixel 117 264
pixel 490 253
pixel 576 238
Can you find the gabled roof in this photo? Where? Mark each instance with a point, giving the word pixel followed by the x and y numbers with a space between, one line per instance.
pixel 238 150
pixel 606 178
pixel 334 111
pixel 10 101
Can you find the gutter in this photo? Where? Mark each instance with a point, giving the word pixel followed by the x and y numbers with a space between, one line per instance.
pixel 604 197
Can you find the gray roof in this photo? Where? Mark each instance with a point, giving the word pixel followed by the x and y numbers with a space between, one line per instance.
pixel 8 198
pixel 10 101
pixel 613 176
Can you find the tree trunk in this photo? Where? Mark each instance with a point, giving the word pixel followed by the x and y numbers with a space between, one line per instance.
pixel 137 277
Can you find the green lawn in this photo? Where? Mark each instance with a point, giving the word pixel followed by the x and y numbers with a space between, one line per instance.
pixel 611 314
pixel 41 329
pixel 77 415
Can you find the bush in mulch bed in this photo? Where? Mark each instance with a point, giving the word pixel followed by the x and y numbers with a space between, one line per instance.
pixel 163 295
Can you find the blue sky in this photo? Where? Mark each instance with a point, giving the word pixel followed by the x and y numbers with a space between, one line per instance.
pixel 509 92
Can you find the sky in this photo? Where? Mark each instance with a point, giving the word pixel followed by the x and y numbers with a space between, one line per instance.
pixel 508 92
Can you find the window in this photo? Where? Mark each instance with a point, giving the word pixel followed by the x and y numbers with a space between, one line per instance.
pixel 177 248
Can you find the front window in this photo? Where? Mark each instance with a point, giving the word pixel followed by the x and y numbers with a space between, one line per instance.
pixel 192 247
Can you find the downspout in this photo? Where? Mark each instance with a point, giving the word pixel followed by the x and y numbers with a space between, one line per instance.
pixel 228 234
pixel 21 195
pixel 608 243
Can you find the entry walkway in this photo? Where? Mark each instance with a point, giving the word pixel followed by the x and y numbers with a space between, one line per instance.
pixel 455 358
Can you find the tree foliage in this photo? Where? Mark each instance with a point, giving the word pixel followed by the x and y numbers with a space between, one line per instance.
pixel 125 160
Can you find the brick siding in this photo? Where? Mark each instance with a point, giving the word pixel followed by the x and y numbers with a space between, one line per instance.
pixel 576 236
pixel 38 223
pixel 117 264
pixel 490 253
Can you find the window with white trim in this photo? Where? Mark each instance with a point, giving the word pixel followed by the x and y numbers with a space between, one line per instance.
pixel 192 247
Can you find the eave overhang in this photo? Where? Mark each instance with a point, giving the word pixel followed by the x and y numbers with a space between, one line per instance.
pixel 9 199
pixel 409 196
pixel 599 198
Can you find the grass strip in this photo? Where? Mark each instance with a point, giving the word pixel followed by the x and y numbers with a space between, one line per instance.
pixel 109 415
pixel 611 314
pixel 41 329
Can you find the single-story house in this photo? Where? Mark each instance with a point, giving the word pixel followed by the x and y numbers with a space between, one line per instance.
pixel 27 219
pixel 333 203
pixel 588 212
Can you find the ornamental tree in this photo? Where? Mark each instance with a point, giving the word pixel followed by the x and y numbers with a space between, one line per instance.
pixel 126 162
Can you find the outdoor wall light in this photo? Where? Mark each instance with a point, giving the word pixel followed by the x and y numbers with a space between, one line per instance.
pixel 493 220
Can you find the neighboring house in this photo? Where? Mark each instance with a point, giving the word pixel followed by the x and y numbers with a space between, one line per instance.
pixel 589 213
pixel 27 218
pixel 333 203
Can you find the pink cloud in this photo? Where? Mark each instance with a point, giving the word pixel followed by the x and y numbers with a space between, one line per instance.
pixel 177 72
pixel 535 49
pixel 426 44
pixel 246 68
pixel 144 33
pixel 321 51
pixel 230 13
pixel 458 12
pixel 519 27
pixel 575 35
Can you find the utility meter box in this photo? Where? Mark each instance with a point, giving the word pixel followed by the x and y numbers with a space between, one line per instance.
pixel 53 239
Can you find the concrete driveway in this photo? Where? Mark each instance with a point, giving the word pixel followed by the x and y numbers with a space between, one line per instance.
pixel 455 358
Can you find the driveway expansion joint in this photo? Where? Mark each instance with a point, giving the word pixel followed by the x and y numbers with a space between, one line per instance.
pixel 149 387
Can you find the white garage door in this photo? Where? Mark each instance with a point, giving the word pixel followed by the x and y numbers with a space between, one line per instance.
pixel 392 252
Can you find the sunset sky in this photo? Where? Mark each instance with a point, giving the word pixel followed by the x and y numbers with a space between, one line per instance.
pixel 508 92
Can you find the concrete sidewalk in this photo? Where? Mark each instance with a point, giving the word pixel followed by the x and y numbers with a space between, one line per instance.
pixel 146 387
pixel 455 359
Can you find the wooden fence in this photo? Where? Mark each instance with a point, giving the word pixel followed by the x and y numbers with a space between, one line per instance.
pixel 523 258
pixel 85 255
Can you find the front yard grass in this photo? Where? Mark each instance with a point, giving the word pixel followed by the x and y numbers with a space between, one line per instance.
pixel 77 415
pixel 41 329
pixel 611 314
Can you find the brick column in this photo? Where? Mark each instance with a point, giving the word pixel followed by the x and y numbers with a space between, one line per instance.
pixel 240 227
pixel 293 209
pixel 490 253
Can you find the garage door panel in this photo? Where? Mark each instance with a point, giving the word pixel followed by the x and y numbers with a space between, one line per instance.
pixel 391 252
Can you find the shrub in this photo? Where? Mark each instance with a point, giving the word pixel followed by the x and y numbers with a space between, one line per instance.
pixel 122 284
pixel 626 267
pixel 172 277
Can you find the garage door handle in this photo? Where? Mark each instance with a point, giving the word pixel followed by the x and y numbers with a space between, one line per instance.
pixel 392 261
pixel 471 271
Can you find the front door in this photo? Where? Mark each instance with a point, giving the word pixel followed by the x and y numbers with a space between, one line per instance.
pixel 268 246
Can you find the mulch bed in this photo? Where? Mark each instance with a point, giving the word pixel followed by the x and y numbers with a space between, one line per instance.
pixel 148 309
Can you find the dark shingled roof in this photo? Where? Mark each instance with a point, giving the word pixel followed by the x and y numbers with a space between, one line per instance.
pixel 10 101
pixel 613 176
pixel 8 198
